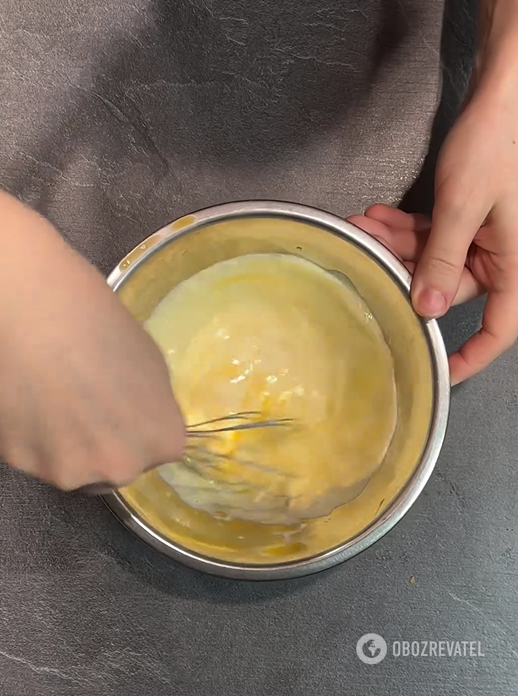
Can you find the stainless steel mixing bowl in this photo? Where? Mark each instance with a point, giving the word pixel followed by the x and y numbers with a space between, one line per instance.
pixel 245 550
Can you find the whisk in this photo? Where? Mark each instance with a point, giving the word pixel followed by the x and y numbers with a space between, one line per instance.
pixel 204 481
pixel 243 420
pixel 203 458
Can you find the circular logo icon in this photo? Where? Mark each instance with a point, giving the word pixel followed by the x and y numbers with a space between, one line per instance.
pixel 371 648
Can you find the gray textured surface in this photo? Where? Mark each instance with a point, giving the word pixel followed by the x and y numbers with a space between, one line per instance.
pixel 119 116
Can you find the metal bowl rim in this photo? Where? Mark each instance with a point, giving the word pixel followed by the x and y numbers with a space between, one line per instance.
pixel 439 422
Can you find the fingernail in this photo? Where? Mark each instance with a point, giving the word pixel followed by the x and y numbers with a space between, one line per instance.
pixel 431 303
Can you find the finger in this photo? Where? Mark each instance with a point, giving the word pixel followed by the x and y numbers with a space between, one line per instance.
pixel 396 218
pixel 372 227
pixel 498 333
pixel 376 229
pixel 104 487
pixel 171 436
pixel 438 274
pixel 408 246
pixel 406 243
pixel 469 288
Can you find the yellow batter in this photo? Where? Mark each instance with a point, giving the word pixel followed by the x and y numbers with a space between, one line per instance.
pixel 277 334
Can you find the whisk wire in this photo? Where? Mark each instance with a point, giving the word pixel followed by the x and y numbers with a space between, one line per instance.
pixel 193 431
pixel 230 481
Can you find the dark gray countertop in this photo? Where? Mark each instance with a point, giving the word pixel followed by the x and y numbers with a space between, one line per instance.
pixel 117 117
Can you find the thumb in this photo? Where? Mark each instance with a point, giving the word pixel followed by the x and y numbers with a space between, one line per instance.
pixel 438 274
pixel 171 434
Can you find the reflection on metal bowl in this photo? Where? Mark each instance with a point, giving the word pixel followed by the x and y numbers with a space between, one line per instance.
pixel 248 550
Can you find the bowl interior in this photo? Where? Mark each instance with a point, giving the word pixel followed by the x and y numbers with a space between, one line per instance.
pixel 188 251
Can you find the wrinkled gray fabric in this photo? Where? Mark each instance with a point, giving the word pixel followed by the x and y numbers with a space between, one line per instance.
pixel 117 117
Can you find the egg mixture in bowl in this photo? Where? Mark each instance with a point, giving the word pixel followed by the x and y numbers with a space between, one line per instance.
pixel 282 316
pixel 278 335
